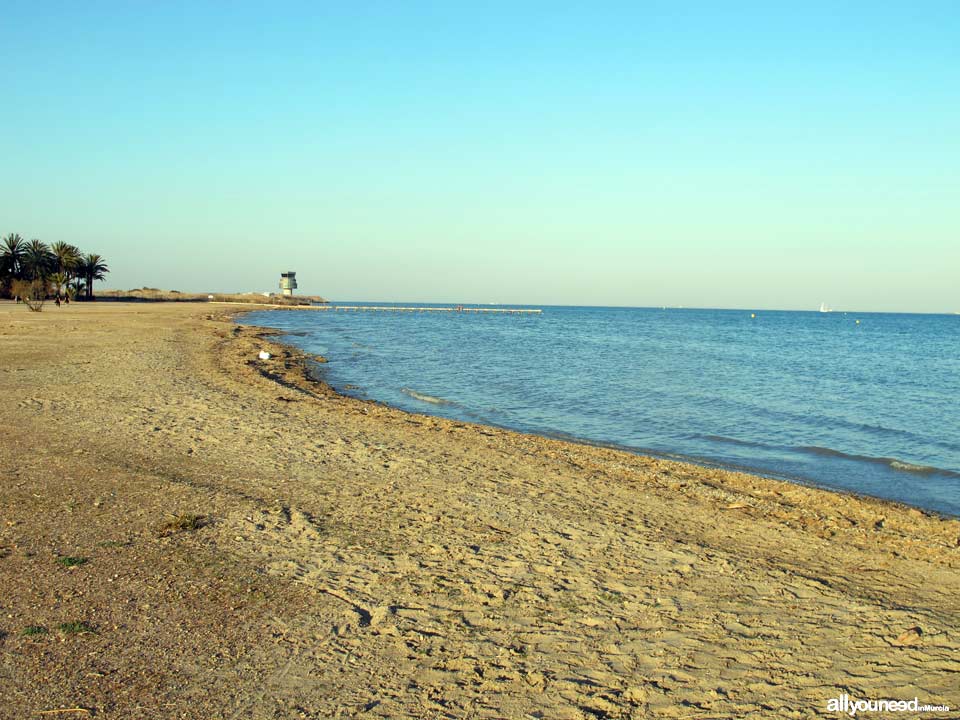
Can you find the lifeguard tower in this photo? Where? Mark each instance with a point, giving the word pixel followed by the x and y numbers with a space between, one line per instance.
pixel 288 282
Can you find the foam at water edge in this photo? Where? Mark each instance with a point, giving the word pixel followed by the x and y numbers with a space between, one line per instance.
pixel 425 398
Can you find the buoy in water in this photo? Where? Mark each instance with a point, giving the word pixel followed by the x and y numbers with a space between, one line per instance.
pixel 858 322
pixel 753 315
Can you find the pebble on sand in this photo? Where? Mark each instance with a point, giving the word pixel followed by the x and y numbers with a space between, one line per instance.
pixel 911 636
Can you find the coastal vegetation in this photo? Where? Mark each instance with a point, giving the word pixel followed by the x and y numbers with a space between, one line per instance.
pixel 35 271
pixel 69 562
pixel 77 627
pixel 181 523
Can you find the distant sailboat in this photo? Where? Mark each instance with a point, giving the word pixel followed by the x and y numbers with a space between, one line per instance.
pixel 824 308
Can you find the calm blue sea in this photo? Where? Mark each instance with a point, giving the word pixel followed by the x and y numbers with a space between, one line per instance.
pixel 812 397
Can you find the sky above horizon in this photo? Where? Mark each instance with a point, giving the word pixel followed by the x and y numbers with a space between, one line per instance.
pixel 704 154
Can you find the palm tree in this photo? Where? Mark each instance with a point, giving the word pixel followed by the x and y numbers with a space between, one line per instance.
pixel 37 261
pixel 92 268
pixel 59 281
pixel 75 287
pixel 67 258
pixel 11 255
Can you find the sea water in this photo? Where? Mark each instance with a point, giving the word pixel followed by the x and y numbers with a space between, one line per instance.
pixel 865 402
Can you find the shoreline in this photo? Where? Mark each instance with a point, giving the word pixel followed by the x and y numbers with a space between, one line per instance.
pixel 314 374
pixel 357 559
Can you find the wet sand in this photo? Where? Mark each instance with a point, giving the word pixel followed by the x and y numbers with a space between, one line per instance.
pixel 353 560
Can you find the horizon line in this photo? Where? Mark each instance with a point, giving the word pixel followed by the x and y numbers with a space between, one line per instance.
pixel 743 308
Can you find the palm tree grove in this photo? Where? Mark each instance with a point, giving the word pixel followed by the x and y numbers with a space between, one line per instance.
pixel 34 271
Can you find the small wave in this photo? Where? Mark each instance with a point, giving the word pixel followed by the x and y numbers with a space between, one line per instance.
pixel 830 452
pixel 734 441
pixel 909 467
pixel 425 398
pixel 742 406
pixel 892 463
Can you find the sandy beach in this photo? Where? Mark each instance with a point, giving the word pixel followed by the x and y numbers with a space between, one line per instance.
pixel 345 559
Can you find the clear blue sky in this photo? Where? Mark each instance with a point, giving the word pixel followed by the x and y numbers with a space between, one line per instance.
pixel 700 154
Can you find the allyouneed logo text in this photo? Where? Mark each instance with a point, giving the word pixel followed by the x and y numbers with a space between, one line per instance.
pixel 850 706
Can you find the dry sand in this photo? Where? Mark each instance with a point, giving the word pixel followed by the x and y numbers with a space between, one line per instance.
pixel 359 561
